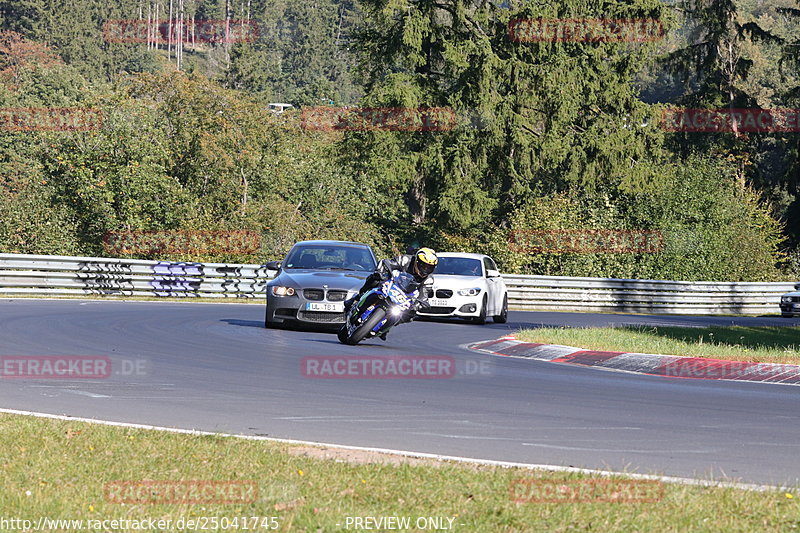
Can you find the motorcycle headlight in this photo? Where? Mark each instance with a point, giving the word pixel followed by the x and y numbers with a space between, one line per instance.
pixel 396 311
pixel 277 290
pixel 474 291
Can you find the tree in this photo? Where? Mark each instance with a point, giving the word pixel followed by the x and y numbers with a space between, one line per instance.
pixel 710 230
pixel 551 115
pixel 721 55
pixel 75 31
pixel 302 54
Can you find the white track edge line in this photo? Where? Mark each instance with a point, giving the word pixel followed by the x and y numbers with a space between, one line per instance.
pixel 418 455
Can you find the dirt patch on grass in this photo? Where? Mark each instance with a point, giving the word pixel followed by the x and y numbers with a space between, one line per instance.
pixel 360 457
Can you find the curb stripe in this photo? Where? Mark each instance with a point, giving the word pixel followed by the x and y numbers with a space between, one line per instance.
pixel 668 366
pixel 587 358
pixel 520 349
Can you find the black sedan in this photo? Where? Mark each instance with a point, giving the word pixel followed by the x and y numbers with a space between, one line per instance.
pixel 314 281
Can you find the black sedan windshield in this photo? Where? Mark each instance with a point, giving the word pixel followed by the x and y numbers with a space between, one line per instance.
pixel 321 257
pixel 459 266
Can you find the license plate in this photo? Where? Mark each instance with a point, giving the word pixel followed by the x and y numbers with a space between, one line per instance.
pixel 438 302
pixel 333 308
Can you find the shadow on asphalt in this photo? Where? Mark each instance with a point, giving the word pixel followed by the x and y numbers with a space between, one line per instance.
pixel 463 323
pixel 292 327
pixel 246 323
pixel 324 341
pixel 372 343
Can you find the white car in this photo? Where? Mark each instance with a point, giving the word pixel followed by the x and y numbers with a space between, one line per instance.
pixel 790 303
pixel 467 286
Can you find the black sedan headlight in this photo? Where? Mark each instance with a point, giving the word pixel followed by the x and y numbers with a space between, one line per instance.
pixel 279 290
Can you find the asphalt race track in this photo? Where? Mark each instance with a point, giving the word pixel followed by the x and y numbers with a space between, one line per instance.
pixel 214 367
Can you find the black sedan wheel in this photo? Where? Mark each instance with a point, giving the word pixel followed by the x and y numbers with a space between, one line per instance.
pixel 267 323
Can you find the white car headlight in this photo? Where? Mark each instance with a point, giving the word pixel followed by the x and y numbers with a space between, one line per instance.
pixel 474 291
pixel 786 298
pixel 277 290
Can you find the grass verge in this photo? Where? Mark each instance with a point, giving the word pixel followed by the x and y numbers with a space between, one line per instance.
pixel 61 470
pixel 737 343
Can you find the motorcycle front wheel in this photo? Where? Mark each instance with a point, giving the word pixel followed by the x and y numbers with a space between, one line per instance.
pixel 363 330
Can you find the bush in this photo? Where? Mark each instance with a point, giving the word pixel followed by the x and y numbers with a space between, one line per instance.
pixel 713 229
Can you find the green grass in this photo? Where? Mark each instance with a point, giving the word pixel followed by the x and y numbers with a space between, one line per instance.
pixel 58 469
pixel 739 343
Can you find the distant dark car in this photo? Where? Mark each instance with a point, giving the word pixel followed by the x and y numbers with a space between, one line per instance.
pixel 314 281
pixel 790 303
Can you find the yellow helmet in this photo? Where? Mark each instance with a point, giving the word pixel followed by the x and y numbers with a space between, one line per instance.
pixel 425 262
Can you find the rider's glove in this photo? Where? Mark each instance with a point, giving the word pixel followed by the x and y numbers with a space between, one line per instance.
pixel 422 305
pixel 408 316
pixel 375 277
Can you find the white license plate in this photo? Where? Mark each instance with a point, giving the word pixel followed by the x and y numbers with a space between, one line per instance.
pixel 438 302
pixel 333 308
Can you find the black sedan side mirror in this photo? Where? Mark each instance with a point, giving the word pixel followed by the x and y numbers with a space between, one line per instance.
pixel 273 265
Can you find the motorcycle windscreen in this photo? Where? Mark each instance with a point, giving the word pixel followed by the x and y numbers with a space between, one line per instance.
pixel 406 282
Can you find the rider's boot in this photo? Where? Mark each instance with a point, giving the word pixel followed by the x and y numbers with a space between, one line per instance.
pixel 349 303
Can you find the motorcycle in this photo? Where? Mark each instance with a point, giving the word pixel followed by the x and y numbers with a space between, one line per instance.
pixel 380 309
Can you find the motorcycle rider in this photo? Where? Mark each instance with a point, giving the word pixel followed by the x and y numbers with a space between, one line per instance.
pixel 420 264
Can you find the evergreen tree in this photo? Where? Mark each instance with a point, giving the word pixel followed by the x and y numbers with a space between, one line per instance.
pixel 551 114
pixel 302 55
pixel 75 30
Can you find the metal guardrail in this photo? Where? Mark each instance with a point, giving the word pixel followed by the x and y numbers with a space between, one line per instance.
pixel 61 275
pixel 644 296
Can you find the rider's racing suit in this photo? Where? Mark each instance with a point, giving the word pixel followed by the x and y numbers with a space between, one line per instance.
pixel 403 263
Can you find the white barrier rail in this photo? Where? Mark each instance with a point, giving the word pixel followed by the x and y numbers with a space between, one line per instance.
pixel 61 275
pixel 644 296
